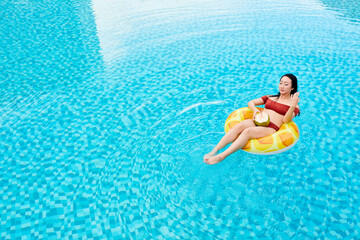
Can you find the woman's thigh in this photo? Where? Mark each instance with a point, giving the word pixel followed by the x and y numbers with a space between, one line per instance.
pixel 258 132
pixel 245 124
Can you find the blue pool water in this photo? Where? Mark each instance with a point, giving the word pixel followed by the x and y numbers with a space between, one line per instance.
pixel 108 106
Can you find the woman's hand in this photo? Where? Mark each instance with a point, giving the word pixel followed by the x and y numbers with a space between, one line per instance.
pixel 255 112
pixel 294 100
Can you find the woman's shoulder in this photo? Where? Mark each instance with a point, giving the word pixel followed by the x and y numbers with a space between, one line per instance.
pixel 272 97
pixel 265 97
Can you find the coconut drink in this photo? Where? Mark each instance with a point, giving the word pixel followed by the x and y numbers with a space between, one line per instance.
pixel 262 119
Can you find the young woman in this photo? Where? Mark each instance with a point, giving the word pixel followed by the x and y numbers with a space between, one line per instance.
pixel 281 108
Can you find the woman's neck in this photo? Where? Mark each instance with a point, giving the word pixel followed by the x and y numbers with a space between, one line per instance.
pixel 284 96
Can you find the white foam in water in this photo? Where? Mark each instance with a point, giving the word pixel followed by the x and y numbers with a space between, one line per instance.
pixel 200 104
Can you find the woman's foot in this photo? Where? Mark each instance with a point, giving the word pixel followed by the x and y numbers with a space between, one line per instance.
pixel 209 155
pixel 215 159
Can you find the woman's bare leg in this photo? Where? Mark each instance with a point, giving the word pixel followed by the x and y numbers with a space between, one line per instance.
pixel 248 133
pixel 230 136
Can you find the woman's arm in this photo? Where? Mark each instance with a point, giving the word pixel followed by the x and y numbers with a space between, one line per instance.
pixel 293 104
pixel 253 103
pixel 289 114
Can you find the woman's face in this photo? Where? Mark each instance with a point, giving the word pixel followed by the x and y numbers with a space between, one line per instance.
pixel 285 85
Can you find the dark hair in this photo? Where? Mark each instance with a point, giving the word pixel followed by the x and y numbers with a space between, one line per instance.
pixel 294 84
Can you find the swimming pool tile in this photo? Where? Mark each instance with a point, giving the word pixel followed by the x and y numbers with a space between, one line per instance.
pixel 55 143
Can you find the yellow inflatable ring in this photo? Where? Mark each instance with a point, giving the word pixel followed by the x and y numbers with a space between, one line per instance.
pixel 281 141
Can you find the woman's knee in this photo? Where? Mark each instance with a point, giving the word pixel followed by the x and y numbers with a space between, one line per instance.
pixel 246 132
pixel 257 132
pixel 249 132
pixel 244 124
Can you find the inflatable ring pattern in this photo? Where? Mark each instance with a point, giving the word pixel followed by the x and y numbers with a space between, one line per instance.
pixel 281 141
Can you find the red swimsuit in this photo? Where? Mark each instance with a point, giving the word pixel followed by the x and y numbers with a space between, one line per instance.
pixel 277 107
